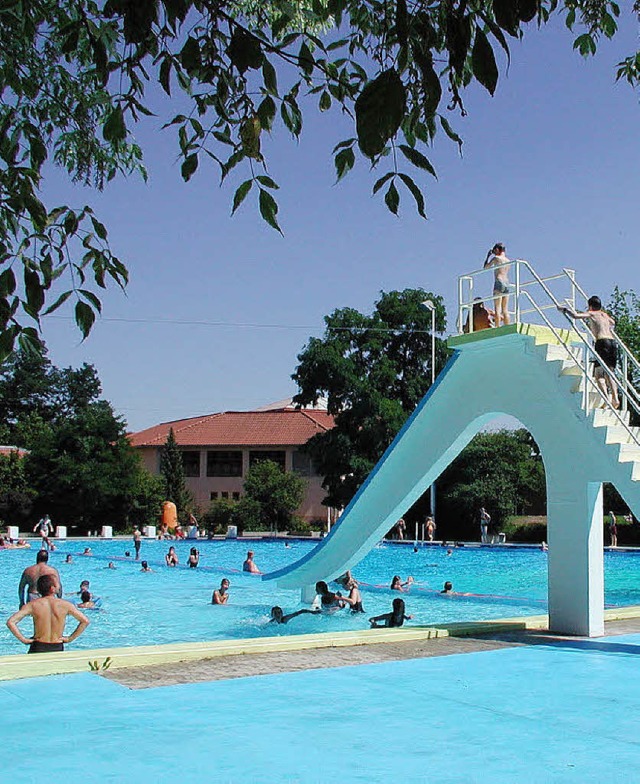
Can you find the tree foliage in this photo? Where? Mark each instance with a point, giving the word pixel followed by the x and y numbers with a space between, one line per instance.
pixel 74 76
pixel 501 471
pixel 16 497
pixel 373 370
pixel 272 495
pixel 172 471
pixel 80 467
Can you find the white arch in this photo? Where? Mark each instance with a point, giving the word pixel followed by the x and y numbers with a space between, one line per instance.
pixel 506 371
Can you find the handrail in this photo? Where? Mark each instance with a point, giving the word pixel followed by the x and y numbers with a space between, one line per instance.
pixel 628 393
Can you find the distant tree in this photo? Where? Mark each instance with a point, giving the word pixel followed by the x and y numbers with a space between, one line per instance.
pixel 624 306
pixel 275 494
pixel 219 515
pixel 373 370
pixel 172 471
pixel 16 497
pixel 74 76
pixel 145 499
pixel 80 466
pixel 501 471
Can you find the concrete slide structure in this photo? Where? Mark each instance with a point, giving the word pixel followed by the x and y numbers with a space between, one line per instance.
pixel 527 372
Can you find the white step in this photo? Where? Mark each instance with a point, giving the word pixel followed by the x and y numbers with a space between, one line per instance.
pixel 601 417
pixel 629 453
pixel 617 434
pixel 555 352
pixel 571 368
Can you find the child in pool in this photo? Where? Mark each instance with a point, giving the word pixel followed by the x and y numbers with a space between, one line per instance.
pixel 393 619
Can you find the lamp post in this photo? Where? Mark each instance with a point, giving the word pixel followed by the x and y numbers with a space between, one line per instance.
pixel 430 305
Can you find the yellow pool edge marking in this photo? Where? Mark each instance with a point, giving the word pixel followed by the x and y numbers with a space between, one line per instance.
pixel 70 661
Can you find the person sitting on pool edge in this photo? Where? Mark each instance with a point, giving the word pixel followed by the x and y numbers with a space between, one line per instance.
pixel 277 616
pixel 394 619
pixel 221 595
pixel 249 565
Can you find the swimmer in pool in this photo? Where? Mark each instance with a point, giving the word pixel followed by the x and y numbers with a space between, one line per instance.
pixel 328 599
pixel 448 588
pixel 398 585
pixel 111 565
pixel 145 567
pixel 277 616
pixel 221 594
pixel 86 602
pixel 31 575
pixel 69 558
pixel 249 565
pixel 354 600
pixel 394 619
pixel 171 558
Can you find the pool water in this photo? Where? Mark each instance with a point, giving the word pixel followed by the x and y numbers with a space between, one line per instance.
pixel 174 605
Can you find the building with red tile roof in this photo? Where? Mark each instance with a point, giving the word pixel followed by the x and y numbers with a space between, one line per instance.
pixel 218 450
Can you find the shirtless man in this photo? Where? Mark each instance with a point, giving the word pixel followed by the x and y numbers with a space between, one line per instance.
pixel 601 325
pixel 49 615
pixel 249 565
pixel 31 575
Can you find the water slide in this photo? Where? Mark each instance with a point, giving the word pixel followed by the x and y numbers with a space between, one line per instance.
pixel 534 374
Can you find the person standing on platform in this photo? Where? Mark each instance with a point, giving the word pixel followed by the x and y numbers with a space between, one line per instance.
pixel 497 258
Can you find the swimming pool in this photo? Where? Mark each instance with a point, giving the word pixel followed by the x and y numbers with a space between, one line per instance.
pixel 173 605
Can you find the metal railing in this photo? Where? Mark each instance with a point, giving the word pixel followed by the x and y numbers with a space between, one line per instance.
pixel 544 309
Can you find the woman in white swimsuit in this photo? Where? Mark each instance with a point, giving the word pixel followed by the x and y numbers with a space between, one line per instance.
pixel 497 258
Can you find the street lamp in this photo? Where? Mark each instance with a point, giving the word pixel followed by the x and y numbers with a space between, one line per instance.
pixel 430 305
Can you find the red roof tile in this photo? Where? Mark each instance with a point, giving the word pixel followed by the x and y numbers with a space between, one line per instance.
pixel 240 428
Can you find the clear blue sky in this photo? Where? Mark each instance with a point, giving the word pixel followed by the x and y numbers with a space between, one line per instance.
pixel 551 167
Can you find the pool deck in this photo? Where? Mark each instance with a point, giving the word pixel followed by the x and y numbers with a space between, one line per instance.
pixel 230 667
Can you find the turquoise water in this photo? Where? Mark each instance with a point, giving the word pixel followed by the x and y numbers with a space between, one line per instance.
pixel 173 605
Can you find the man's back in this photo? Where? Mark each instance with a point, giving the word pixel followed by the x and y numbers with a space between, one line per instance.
pixel 30 578
pixel 49 615
pixel 600 324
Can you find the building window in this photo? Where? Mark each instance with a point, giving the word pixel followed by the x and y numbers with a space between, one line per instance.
pixel 301 464
pixel 235 496
pixel 213 496
pixel 224 495
pixel 224 463
pixel 276 457
pixel 191 463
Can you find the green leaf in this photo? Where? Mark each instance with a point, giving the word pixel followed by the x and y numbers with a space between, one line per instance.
pixel 527 9
pixel 85 318
pixel 241 194
pixel 267 182
pixel 60 301
pixel 325 101
pixel 7 283
pixel 415 192
pixel 446 127
pixel 91 297
pixel 190 56
pixel 269 77
pixel 344 162
pixel 382 181
pixel 506 15
pixel 305 58
pixel 392 199
pixel 418 159
pixel 269 209
pixel 244 50
pixel 266 113
pixel 189 165
pixel 483 62
pixel 114 129
pixel 34 291
pixel 380 109
pixel 165 75
pixel 7 341
pixel 345 143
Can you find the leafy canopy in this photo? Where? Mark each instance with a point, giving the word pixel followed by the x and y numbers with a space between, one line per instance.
pixel 74 76
pixel 373 370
